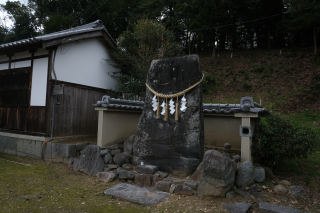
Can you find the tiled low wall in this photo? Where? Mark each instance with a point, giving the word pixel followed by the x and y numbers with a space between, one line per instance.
pixel 30 146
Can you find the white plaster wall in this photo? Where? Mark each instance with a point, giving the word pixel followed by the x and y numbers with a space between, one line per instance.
pixel 4 58
pixel 4 66
pixel 41 51
pixel 25 54
pixel 81 62
pixel 39 82
pixel 21 64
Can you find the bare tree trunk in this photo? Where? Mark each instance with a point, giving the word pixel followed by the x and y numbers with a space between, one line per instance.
pixel 269 39
pixel 315 39
pixel 189 43
pixel 214 48
pixel 197 44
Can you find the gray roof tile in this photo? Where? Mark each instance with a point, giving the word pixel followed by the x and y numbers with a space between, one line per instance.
pixel 94 26
pixel 207 108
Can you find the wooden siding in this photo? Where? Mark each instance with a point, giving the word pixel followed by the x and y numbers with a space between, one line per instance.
pixel 74 114
pixel 30 119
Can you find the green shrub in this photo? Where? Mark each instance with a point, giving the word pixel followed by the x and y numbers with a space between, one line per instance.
pixel 277 139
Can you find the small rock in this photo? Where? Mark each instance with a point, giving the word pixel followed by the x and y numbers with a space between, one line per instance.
pixel 178 181
pixel 258 195
pixel 127 167
pixel 161 174
pixel 70 161
pixel 103 152
pixel 280 189
pixel 163 186
pixel 121 158
pixel 243 193
pixel 146 169
pixel 191 184
pixel 231 195
pixel 81 146
pixel 285 182
pixel 245 174
pixel 107 158
pixel 297 191
pixel 264 187
pixel 112 166
pixel 227 146
pixel 106 169
pixel 259 174
pixel 268 173
pixel 126 175
pixel 237 158
pixel 255 188
pixel 128 145
pixel 146 180
pixel 183 190
pixel 245 188
pixel 170 179
pixel 114 147
pixel 117 171
pixel 172 187
pixel 276 208
pixel 242 207
pixel 115 151
pixel 129 181
pixel 107 176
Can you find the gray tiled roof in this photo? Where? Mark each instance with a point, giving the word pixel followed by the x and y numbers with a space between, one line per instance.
pixel 207 108
pixel 94 26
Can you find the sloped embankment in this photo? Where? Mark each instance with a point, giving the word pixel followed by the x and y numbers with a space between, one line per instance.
pixel 289 82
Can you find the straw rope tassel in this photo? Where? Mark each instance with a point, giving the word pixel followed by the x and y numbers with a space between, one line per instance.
pixel 177 108
pixel 158 109
pixel 166 111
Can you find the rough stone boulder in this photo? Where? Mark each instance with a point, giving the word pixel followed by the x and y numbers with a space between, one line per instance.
pixel 128 145
pixel 217 174
pixel 125 175
pixel 121 158
pixel 107 176
pixel 259 174
pixel 90 161
pixel 183 190
pixel 174 146
pixel 163 186
pixel 246 174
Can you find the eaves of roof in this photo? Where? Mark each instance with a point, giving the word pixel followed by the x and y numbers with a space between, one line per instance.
pixel 87 28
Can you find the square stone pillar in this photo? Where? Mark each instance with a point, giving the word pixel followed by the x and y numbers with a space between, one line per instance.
pixel 247 121
pixel 246 142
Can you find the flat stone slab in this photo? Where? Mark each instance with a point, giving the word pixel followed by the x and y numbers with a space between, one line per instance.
pixel 276 208
pixel 137 194
pixel 243 193
pixel 259 195
pixel 242 207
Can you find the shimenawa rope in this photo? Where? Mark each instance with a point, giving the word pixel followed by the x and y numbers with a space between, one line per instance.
pixel 171 96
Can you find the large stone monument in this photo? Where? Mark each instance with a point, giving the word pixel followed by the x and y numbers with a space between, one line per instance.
pixel 172 140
